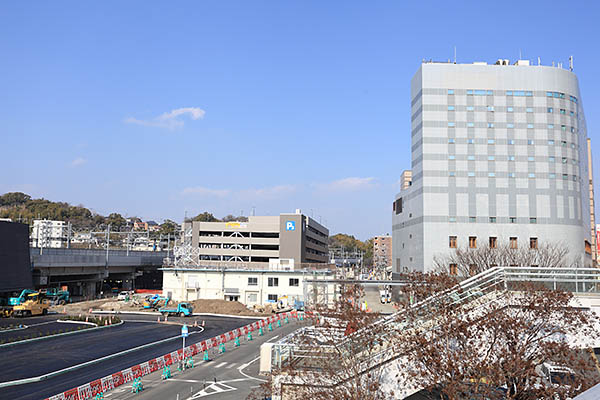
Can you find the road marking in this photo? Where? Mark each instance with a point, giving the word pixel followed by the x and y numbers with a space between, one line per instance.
pixel 220 365
pixel 213 388
pixel 91 362
pixel 231 365
pixel 183 380
pixel 273 338
pixel 240 370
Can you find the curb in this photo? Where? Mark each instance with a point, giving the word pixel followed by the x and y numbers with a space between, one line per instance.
pixel 193 314
pixel 56 335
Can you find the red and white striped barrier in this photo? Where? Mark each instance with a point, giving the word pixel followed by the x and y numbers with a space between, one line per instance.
pixel 103 385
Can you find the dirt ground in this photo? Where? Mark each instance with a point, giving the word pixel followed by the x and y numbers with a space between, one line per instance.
pixel 200 306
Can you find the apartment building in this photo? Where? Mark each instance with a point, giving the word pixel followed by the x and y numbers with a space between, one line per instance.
pixel 382 250
pixel 499 156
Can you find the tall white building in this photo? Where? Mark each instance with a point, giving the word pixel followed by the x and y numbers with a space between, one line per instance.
pixel 499 156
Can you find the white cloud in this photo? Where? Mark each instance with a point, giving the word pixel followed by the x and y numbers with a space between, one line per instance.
pixel 203 191
pixel 169 120
pixel 269 192
pixel 79 161
pixel 349 184
pixel 260 193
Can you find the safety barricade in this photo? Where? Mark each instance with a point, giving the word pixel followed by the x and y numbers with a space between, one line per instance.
pixel 100 386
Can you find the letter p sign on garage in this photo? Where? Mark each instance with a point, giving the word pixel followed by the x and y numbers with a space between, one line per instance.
pixel 290 225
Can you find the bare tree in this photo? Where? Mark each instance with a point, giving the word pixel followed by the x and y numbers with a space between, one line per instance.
pixel 469 261
pixel 492 347
pixel 334 351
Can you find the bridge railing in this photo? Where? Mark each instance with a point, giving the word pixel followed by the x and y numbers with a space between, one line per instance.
pixel 475 288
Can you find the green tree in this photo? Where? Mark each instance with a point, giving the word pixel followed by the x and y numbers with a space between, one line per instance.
pixel 168 227
pixel 205 217
pixel 116 221
pixel 14 198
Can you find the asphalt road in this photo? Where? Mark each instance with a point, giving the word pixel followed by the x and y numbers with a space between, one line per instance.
pixel 37 358
pixel 35 326
pixel 229 376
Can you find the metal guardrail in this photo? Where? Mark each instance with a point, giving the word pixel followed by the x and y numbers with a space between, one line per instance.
pixel 575 280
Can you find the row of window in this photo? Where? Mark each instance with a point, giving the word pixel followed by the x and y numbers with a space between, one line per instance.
pixel 492 220
pixel 510 109
pixel 516 93
pixel 564 160
pixel 562 111
pixel 551 142
pixel 530 175
pixel 452 124
pixel 272 282
pixel 493 242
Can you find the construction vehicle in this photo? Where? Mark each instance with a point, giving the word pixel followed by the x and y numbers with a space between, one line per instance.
pixel 36 304
pixel 57 296
pixel 182 310
pixel 15 301
pixel 154 302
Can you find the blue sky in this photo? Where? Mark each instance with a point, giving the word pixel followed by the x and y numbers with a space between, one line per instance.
pixel 156 109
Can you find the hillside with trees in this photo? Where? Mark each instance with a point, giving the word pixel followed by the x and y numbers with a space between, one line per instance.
pixel 349 242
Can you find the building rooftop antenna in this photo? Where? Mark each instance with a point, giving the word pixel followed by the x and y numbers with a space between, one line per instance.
pixel 454 54
pixel 570 63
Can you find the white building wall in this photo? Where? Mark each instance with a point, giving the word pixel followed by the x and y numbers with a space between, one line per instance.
pixel 498 153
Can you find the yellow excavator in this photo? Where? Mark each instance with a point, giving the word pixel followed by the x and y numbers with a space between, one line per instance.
pixel 35 304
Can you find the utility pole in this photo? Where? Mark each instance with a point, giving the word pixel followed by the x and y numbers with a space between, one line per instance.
pixel 107 242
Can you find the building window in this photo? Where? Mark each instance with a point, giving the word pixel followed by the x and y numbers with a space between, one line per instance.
pixel 452 174
pixel 294 282
pixel 531 175
pixel 450 91
pixel 565 177
pixel 490 125
pixel 272 297
pixel 452 242
pixel 513 243
pixel 451 157
pixel 470 141
pixel 451 124
pixel 492 220
pixel 472 220
pixel 563 128
pixel 511 158
pixel 469 91
pixel 470 108
pixel 493 242
pixel 472 242
pixel 509 109
pixel 533 220
pixel 472 269
pixel 451 219
pixel 550 110
pixel 451 140
pixel 491 158
pixel 511 174
pixel 563 111
pixel 511 141
pixel 252 281
pixel 572 130
pixel 530 158
pixel 470 124
pixel 529 126
pixel 529 110
pixel 471 174
pixel 563 143
pixel 510 125
pixel 552 176
pixel 512 220
pixel 471 158
pixel 551 142
pixel 491 174
pixel 533 243
pixel 530 142
pixel 551 159
pixel 453 269
pixel 273 282
pixel 564 160
pixel 490 108
pixel 450 108
pixel 550 126
pixel 491 141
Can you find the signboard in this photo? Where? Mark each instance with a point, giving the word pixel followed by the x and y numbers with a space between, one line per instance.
pixel 290 225
pixel 184 331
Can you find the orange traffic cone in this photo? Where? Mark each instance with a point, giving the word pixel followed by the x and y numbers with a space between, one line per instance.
pixel 195 324
pixel 158 319
pixel 203 323
pixel 86 318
